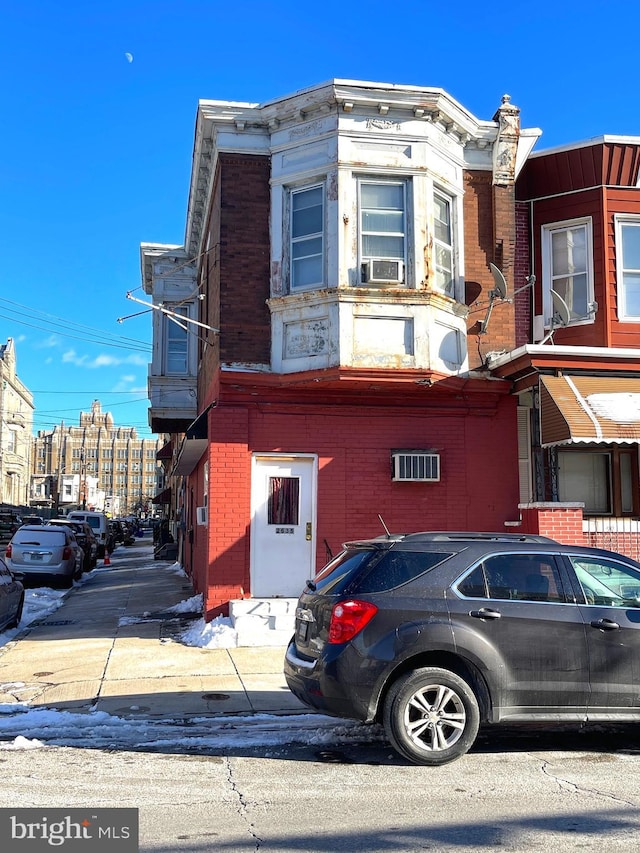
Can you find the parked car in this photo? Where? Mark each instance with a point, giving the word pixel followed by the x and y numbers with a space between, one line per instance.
pixel 11 598
pixel 10 521
pixel 99 524
pixel 434 634
pixel 42 552
pixel 86 539
pixel 32 519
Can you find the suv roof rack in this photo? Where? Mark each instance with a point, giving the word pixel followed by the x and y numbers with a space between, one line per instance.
pixel 474 536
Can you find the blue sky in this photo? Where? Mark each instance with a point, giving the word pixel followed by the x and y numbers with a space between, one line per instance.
pixel 95 146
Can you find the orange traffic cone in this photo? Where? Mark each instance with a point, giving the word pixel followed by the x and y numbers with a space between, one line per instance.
pixel 107 559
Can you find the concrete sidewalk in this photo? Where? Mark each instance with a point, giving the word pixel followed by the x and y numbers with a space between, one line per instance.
pixel 112 646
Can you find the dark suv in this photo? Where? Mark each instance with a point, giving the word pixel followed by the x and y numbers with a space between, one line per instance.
pixel 433 634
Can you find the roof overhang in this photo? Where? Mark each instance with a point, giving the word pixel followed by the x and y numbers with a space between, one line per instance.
pixel 589 409
pixel 163 497
pixel 193 445
pixel 524 365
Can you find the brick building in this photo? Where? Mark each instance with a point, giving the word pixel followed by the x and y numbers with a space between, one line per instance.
pixel 321 339
pixel 96 464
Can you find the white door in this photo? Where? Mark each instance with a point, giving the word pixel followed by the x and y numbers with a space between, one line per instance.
pixel 283 525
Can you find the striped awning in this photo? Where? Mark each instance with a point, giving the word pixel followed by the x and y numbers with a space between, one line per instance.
pixel 593 409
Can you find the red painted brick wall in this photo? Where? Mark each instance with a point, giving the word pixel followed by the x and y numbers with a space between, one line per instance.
pixel 478 489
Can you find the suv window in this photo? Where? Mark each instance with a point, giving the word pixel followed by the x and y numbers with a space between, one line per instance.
pixel 523 577
pixel 369 571
pixel 606 582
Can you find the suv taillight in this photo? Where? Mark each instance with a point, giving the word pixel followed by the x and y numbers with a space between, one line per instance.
pixel 349 618
pixel 66 552
pixel 7 553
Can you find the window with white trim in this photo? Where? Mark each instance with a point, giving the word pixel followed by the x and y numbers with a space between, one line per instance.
pixel 307 238
pixel 628 266
pixel 382 208
pixel 567 263
pixel 176 341
pixel 443 231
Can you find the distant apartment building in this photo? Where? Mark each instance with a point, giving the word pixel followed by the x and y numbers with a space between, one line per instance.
pixel 95 465
pixel 16 423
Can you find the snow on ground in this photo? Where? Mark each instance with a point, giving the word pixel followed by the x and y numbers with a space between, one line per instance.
pixel 24 727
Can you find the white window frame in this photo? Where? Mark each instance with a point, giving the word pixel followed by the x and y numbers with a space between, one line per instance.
pixel 299 240
pixel 175 332
pixel 364 257
pixel 621 222
pixel 549 277
pixel 440 246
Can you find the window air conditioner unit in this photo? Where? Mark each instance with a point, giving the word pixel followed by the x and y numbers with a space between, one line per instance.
pixel 378 271
pixel 415 466
pixel 201 515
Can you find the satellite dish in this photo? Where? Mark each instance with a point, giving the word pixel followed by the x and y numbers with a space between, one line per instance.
pixel 499 282
pixel 561 313
pixel 561 316
pixel 499 291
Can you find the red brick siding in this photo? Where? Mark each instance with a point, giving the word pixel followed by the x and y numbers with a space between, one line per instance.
pixel 489 237
pixel 522 270
pixel 559 522
pixel 244 259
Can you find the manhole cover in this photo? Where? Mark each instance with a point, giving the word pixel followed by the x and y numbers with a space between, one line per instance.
pixel 58 622
pixel 40 674
pixel 215 697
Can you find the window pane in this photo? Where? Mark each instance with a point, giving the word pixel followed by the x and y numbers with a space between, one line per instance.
pixel 442 221
pixel 283 500
pixel 631 246
pixel 382 196
pixel 569 251
pixel 574 292
pixel 585 477
pixel 306 272
pixel 631 295
pixel 606 582
pixel 177 343
pixel 626 482
pixel 374 220
pixel 523 578
pixel 307 248
pixel 308 221
pixel 377 246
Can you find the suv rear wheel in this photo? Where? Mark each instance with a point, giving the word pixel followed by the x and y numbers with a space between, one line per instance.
pixel 431 716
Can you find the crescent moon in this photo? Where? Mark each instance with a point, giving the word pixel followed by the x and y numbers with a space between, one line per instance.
pixel 129 57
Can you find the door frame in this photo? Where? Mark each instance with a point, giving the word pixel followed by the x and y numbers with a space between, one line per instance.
pixel 258 457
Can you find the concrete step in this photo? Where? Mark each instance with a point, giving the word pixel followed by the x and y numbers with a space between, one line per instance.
pixel 263 621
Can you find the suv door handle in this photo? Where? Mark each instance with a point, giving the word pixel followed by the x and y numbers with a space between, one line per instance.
pixel 485 613
pixel 605 624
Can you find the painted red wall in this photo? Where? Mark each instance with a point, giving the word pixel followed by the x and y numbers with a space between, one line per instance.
pixel 478 488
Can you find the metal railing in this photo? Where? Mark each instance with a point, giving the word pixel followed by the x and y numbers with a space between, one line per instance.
pixel 614 534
